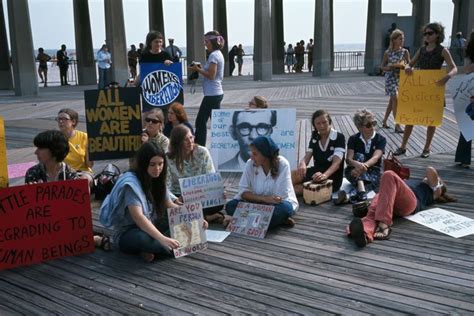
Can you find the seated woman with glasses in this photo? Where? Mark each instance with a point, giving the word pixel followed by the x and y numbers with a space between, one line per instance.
pixel 176 115
pixel 267 180
pixel 153 129
pixel 78 156
pixel 327 148
pixel 51 149
pixel 188 159
pixel 364 157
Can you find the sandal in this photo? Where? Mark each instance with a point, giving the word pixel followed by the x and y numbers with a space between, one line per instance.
pixel 400 151
pixel 357 233
pixel 383 232
pixel 222 219
pixel 289 222
pixel 384 125
pixel 104 242
pixel 425 154
pixel 398 129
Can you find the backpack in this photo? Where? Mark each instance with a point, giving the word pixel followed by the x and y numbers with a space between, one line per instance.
pixel 105 181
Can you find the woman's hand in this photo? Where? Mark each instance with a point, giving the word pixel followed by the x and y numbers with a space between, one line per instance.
pixel 194 67
pixel 360 167
pixel 169 243
pixel 442 81
pixel 145 137
pixel 319 177
pixel 408 70
pixel 205 224
pixel 168 62
pixel 301 171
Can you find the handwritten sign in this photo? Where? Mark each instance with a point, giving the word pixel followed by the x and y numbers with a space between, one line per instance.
pixel 420 100
pixel 251 219
pixel 233 130
pixel 161 85
pixel 463 99
pixel 43 222
pixel 445 222
pixel 3 156
pixel 207 189
pixel 114 125
pixel 186 226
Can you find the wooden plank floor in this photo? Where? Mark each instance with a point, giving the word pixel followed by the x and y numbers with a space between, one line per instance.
pixel 312 268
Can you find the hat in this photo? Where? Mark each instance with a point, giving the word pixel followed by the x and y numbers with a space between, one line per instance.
pixel 170 39
pixel 266 146
pixel 459 33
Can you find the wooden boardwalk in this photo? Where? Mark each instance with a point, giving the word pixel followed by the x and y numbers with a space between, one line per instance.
pixel 312 268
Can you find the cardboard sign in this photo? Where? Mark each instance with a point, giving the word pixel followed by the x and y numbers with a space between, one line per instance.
pixel 233 130
pixel 207 189
pixel 3 156
pixel 445 222
pixel 420 100
pixel 463 99
pixel 251 219
pixel 186 226
pixel 161 85
pixel 114 125
pixel 47 221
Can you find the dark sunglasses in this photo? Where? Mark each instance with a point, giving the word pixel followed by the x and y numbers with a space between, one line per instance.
pixel 371 124
pixel 150 120
pixel 429 33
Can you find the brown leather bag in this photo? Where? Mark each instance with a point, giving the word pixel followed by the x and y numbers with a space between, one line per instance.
pixel 392 163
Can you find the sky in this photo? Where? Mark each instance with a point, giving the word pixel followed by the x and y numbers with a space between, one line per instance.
pixel 52 20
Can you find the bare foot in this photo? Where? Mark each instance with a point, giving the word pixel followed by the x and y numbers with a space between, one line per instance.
pixel 147 256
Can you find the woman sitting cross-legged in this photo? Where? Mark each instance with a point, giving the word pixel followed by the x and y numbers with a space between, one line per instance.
pixel 397 198
pixel 187 159
pixel 267 180
pixel 136 207
pixel 364 157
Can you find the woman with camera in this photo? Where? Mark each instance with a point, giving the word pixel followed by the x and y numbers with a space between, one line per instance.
pixel 213 73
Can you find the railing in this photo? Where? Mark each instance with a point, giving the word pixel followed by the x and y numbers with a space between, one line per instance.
pixel 351 60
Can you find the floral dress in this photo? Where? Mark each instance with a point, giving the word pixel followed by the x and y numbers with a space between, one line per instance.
pixel 392 77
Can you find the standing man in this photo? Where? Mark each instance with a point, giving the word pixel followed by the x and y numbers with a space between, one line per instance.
pixel 63 64
pixel 173 51
pixel 232 54
pixel 458 45
pixel 309 49
pixel 43 59
pixel 133 56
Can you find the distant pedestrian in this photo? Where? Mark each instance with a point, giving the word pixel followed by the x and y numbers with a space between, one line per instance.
pixel 63 64
pixel 133 56
pixel 290 58
pixel 140 50
pixel 299 53
pixel 232 54
pixel 43 59
pixel 174 51
pixel 458 47
pixel 309 50
pixel 240 58
pixel 104 62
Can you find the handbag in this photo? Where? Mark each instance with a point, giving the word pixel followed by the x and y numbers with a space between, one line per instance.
pixel 392 163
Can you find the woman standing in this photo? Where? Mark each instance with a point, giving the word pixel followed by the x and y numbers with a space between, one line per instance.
pixel 327 147
pixel 290 58
pixel 187 159
pixel 213 73
pixel 139 199
pixel 267 180
pixel 176 115
pixel 394 59
pixel 240 58
pixel 430 56
pixel 104 62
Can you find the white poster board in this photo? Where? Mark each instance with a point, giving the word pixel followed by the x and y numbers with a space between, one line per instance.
pixel 186 226
pixel 207 189
pixel 251 219
pixel 463 99
pixel 445 222
pixel 233 130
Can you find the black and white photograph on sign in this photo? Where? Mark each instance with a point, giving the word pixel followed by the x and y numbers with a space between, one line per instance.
pixel 232 131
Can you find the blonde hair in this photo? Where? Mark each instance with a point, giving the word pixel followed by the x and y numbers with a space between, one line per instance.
pixel 395 34
pixel 260 102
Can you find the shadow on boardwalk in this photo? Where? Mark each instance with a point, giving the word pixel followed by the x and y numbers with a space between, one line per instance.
pixel 309 269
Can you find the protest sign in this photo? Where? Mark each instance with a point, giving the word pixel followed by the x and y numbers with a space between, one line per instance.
pixel 420 99
pixel 186 226
pixel 161 85
pixel 114 125
pixel 207 189
pixel 445 222
pixel 232 131
pixel 463 99
pixel 46 221
pixel 251 219
pixel 3 156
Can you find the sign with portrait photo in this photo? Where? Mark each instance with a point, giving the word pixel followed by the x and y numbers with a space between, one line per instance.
pixel 463 99
pixel 161 85
pixel 114 123
pixel 232 131
pixel 251 219
pixel 186 226
pixel 207 189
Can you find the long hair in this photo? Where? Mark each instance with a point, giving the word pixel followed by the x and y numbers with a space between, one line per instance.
pixel 178 110
pixel 176 147
pixel 154 188
pixel 445 197
pixel 438 28
pixel 274 162
pixel 395 34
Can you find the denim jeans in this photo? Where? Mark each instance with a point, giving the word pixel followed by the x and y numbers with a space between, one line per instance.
pixel 281 212
pixel 136 240
pixel 103 77
pixel 208 104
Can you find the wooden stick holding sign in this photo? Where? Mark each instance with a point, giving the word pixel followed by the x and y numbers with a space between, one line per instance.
pixel 420 99
pixel 3 156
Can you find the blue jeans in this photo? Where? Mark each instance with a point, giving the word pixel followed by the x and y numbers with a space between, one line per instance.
pixel 208 104
pixel 103 77
pixel 136 240
pixel 281 212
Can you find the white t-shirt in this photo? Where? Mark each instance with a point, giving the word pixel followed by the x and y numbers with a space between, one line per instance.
pixel 214 87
